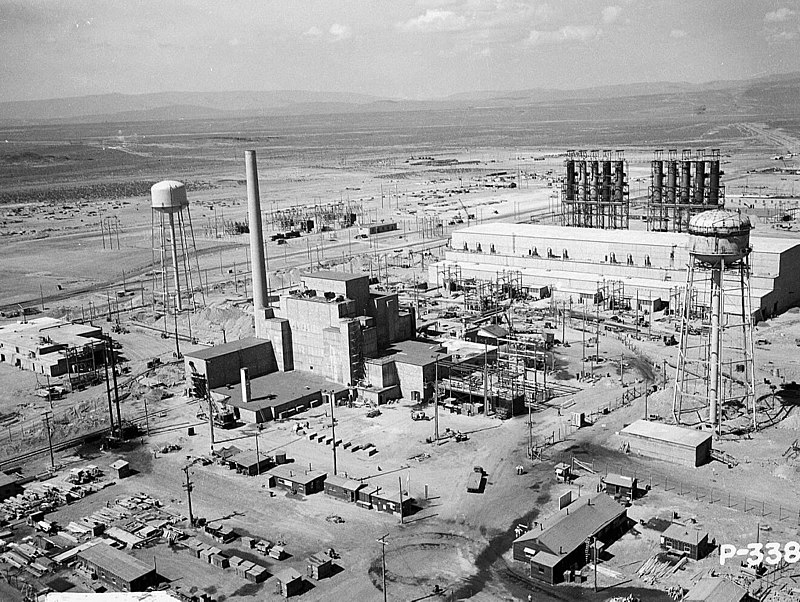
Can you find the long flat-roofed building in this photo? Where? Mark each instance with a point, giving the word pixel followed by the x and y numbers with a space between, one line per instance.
pixel 586 263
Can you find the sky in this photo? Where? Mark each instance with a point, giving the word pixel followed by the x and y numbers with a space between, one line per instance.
pixel 415 49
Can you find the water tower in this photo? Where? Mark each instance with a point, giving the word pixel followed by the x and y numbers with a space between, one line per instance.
pixel 173 238
pixel 714 382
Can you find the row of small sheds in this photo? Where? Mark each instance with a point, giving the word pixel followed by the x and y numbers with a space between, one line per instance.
pixel 213 555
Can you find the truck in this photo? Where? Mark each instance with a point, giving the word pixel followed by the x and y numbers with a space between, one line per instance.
pixel 418 415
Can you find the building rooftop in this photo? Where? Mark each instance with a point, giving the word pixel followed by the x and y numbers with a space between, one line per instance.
pixel 54 331
pixel 248 459
pixel 116 562
pixel 666 432
pixel 619 480
pixel 333 275
pixel 288 575
pixel 715 589
pixel 296 474
pixel 225 349
pixel 685 534
pixel 119 464
pixel 344 482
pixel 278 388
pixel 418 353
pixel 761 244
pixel 563 533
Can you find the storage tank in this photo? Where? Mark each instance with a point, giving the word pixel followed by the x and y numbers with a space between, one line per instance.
pixel 168 196
pixel 719 236
pixel 570 188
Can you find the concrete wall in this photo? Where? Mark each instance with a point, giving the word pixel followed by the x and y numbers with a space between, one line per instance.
pixel 669 452
pixel 224 370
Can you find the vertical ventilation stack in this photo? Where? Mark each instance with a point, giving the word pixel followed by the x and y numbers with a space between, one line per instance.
pixel 256 236
pixel 699 179
pixel 244 374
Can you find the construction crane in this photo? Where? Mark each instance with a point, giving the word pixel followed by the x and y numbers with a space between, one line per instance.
pixel 466 213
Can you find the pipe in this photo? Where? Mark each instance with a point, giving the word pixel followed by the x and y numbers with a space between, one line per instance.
pixel 713 182
pixel 714 343
pixel 570 180
pixel 256 236
pixel 685 181
pixel 699 181
pixel 174 245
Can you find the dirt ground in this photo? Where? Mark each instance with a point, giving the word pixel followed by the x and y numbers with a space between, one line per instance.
pixel 457 540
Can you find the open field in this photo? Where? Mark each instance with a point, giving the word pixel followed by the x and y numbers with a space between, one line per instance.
pixel 59 182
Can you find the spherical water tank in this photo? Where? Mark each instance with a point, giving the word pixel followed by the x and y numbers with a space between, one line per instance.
pixel 168 196
pixel 719 236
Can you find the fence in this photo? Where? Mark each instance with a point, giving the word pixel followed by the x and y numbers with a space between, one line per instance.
pixel 700 491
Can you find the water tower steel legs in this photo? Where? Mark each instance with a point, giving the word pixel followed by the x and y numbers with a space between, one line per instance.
pixel 714 344
pixel 175 268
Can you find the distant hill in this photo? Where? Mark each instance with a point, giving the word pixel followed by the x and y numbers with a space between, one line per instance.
pixel 771 96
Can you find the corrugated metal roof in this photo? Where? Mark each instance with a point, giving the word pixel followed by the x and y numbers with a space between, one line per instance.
pixel 118 563
pixel 344 482
pixel 285 471
pixel 666 432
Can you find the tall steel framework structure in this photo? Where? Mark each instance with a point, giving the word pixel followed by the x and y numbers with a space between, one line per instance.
pixel 714 380
pixel 175 279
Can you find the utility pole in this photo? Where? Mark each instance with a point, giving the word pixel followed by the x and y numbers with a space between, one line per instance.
pixel 146 417
pixel 108 388
pixel 646 393
pixel 210 414
pixel 49 439
pixel 436 404
pixel 188 487
pixel 333 431
pixel 116 389
pixel 383 543
pixel 400 481
pixel 258 456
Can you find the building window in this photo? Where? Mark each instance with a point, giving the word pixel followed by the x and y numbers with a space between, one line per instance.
pixel 564 254
pixel 491 248
pixel 630 259
pixel 549 252
pixel 478 248
pixel 647 260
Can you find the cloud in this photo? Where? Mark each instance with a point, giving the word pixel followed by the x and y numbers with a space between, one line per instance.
pixel 678 33
pixel 313 31
pixel 611 13
pixel 340 32
pixel 568 33
pixel 434 20
pixel 776 16
pixel 782 36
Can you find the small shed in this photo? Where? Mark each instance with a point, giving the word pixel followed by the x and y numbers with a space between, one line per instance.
pixel 291 582
pixel 676 444
pixel 618 486
pixel 319 566
pixel 121 468
pixel 687 539
pixel 250 463
pixel 342 488
pixel 256 573
pixel 384 501
pixel 563 472
pixel 475 482
pixel 220 561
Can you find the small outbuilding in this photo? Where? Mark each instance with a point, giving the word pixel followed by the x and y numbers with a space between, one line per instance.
pixel 121 468
pixel 687 539
pixel 319 566
pixel 250 463
pixel 618 486
pixel 676 444
pixel 291 582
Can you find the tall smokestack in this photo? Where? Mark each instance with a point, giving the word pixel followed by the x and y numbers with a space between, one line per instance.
pixel 256 237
